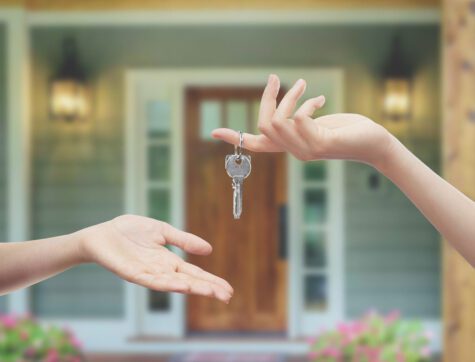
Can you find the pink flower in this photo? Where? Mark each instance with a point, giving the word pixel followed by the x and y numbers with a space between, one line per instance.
pixel 8 321
pixel 24 335
pixel 75 342
pixel 313 355
pixel 52 356
pixel 400 357
pixel 392 317
pixel 30 352
pixel 311 340
pixel 331 352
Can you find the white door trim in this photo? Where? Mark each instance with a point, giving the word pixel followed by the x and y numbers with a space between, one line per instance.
pixel 18 136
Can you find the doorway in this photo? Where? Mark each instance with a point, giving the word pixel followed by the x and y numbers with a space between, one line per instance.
pixel 247 252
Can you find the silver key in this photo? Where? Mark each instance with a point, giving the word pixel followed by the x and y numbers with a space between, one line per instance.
pixel 238 167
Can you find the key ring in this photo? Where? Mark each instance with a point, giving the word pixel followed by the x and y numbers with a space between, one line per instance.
pixel 238 149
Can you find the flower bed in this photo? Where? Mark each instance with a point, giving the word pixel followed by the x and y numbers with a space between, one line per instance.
pixel 373 338
pixel 22 339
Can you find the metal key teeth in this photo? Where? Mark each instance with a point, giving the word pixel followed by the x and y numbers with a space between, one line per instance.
pixel 237 199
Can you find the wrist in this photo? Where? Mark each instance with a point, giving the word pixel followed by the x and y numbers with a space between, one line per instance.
pixel 390 155
pixel 77 246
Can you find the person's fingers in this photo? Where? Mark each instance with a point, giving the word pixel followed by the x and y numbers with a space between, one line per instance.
pixel 199 273
pixel 202 287
pixel 305 124
pixel 290 137
pixel 308 108
pixel 269 99
pixel 289 102
pixel 267 111
pixel 255 143
pixel 181 283
pixel 185 241
pixel 161 282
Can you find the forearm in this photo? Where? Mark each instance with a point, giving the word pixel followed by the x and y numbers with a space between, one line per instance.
pixel 450 211
pixel 25 263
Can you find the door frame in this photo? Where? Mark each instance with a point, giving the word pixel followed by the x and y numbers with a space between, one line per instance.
pixel 175 82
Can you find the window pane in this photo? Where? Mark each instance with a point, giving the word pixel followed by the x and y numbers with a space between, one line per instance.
pixel 315 171
pixel 159 205
pixel 159 163
pixel 315 250
pixel 158 114
pixel 315 206
pixel 236 115
pixel 158 301
pixel 316 292
pixel 210 118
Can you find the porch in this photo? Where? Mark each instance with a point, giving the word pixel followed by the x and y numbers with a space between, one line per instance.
pixel 335 248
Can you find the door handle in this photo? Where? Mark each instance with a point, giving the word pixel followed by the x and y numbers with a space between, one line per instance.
pixel 283 232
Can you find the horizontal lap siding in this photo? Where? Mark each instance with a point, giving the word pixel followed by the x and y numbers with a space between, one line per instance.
pixel 74 188
pixel 84 291
pixel 77 182
pixel 392 252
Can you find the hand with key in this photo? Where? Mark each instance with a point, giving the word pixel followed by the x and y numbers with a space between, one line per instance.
pixel 335 136
pixel 356 137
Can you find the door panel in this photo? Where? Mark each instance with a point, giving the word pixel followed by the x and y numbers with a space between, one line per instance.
pixel 246 251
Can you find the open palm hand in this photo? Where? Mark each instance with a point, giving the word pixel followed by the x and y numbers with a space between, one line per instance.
pixel 133 247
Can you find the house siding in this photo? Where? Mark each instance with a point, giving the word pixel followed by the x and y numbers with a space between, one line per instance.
pixel 392 253
pixel 78 168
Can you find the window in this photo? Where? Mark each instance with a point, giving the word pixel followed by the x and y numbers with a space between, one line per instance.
pixel 158 172
pixel 315 210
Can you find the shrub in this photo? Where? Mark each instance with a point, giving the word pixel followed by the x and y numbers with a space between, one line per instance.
pixel 23 339
pixel 373 338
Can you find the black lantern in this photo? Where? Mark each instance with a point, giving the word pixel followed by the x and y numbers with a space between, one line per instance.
pixel 69 94
pixel 396 86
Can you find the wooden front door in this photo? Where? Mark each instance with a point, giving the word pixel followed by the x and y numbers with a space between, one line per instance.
pixel 247 252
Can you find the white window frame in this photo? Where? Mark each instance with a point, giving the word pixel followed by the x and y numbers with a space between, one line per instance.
pixel 307 322
pixel 169 85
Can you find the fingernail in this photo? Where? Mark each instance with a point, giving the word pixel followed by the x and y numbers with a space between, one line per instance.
pixel 299 82
pixel 271 78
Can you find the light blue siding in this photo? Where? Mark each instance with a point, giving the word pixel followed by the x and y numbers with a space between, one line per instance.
pixel 89 291
pixel 392 254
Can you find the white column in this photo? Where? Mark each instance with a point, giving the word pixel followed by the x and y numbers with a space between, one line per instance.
pixel 18 140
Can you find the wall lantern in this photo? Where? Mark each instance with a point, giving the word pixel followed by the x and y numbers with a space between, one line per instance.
pixel 396 86
pixel 69 93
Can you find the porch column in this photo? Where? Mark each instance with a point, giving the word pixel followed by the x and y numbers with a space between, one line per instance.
pixel 458 43
pixel 18 141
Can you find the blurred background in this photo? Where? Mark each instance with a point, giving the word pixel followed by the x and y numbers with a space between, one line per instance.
pixel 107 107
